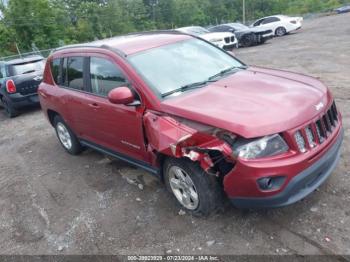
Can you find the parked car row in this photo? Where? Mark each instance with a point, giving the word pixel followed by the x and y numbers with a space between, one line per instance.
pixel 238 35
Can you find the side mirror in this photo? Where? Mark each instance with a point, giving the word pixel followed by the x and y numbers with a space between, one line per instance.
pixel 121 96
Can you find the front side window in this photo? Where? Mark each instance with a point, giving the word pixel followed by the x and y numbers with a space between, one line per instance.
pixel 72 72
pixel 105 76
pixel 170 67
pixel 257 23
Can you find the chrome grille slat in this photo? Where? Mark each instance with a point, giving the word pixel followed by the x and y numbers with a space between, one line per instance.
pixel 310 137
pixel 316 133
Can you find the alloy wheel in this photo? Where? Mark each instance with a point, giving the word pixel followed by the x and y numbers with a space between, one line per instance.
pixel 183 188
pixel 64 136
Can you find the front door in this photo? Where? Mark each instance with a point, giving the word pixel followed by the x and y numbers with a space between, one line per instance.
pixel 115 127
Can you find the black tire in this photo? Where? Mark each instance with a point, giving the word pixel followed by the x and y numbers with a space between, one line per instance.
pixel 248 40
pixel 210 193
pixel 280 31
pixel 75 147
pixel 9 110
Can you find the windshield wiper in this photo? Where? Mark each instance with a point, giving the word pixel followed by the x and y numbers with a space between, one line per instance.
pixel 188 87
pixel 226 71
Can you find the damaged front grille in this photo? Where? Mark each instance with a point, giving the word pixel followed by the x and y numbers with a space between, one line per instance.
pixel 316 133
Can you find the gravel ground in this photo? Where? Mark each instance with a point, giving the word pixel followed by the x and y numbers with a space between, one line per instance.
pixel 53 203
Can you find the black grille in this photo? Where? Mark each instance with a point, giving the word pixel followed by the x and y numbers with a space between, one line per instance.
pixel 232 38
pixel 322 128
pixel 227 40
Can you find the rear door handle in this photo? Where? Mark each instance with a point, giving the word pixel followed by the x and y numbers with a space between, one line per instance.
pixel 94 105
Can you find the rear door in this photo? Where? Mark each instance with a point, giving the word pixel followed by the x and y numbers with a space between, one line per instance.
pixel 74 99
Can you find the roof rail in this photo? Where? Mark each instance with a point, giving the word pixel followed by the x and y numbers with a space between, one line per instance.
pixel 90 45
pixel 99 44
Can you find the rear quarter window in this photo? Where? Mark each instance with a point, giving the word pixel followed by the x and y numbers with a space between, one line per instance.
pixel 55 70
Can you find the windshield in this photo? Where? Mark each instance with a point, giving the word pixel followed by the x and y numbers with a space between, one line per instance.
pixel 168 68
pixel 195 30
pixel 32 66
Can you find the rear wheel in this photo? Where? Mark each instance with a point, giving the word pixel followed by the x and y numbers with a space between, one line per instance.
pixel 280 31
pixel 67 138
pixel 195 191
pixel 10 111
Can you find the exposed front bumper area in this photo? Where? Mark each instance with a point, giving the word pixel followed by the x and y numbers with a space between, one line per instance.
pixel 229 47
pixel 300 185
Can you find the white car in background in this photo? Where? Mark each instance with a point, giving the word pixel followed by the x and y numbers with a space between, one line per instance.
pixel 224 40
pixel 279 24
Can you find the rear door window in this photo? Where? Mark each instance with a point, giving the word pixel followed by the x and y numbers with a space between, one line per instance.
pixel 105 76
pixel 73 73
pixel 270 20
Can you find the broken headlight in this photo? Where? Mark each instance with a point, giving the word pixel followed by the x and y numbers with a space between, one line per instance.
pixel 262 147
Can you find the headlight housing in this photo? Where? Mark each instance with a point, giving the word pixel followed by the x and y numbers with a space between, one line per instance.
pixel 262 147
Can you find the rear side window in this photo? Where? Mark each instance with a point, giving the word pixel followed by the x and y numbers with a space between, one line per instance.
pixel 72 73
pixel 55 70
pixel 271 20
pixel 105 76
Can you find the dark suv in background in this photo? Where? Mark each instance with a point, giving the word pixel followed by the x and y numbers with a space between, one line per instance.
pixel 19 81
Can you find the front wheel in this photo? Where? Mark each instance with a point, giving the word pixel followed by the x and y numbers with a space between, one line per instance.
pixel 280 31
pixel 196 191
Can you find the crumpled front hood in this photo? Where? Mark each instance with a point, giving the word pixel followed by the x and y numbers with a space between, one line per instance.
pixel 253 102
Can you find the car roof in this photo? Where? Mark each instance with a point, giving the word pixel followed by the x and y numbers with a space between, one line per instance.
pixel 279 16
pixel 134 43
pixel 23 60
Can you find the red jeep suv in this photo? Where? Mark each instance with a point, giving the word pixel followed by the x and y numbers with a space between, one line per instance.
pixel 196 117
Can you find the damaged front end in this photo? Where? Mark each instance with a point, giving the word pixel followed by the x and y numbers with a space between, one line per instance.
pixel 180 138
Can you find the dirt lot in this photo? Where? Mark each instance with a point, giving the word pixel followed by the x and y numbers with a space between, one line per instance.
pixel 53 203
